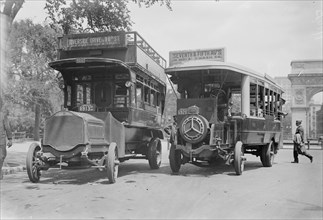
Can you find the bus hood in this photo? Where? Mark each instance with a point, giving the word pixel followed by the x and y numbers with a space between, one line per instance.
pixel 67 129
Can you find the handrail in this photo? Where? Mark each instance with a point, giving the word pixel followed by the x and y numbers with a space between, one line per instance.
pixel 133 38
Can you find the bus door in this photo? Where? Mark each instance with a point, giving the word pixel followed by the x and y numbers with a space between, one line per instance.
pixel 103 95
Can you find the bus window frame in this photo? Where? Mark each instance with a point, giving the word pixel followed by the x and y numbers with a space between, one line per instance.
pixel 267 99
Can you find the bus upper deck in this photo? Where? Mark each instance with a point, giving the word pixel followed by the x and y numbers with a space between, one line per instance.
pixel 117 72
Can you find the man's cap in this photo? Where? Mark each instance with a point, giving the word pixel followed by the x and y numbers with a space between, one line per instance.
pixel 298 121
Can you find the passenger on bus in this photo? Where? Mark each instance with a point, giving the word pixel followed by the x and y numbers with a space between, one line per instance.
pixel 193 90
pixel 188 88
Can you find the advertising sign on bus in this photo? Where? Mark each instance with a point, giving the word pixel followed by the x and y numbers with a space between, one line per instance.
pixel 177 57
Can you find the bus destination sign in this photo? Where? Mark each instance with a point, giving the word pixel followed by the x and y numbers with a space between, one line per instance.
pixel 83 41
pixel 177 57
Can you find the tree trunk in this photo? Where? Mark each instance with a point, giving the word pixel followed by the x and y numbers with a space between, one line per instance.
pixel 8 12
pixel 5 22
pixel 37 122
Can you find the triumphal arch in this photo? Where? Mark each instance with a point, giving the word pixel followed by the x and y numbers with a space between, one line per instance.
pixel 307 80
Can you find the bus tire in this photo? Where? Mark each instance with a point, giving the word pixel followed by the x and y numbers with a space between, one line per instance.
pixel 112 163
pixel 175 159
pixel 238 158
pixel 32 165
pixel 267 155
pixel 154 153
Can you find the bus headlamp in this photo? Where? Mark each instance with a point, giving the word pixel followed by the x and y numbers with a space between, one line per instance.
pixel 128 84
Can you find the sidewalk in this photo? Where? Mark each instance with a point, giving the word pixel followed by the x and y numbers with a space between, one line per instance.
pixel 16 158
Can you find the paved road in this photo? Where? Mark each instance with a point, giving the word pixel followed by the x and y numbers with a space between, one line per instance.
pixel 284 191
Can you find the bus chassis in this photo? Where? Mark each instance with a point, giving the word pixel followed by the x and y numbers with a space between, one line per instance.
pixel 212 148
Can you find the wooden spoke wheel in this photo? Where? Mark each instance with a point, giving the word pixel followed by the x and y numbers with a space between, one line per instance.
pixel 267 155
pixel 154 153
pixel 175 159
pixel 33 163
pixel 112 163
pixel 238 158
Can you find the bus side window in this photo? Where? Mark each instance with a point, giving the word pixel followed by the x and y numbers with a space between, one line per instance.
pixel 103 97
pixel 121 93
pixel 153 99
pixel 162 99
pixel 271 103
pixel 69 96
pixel 236 103
pixel 139 94
pixel 266 112
pixel 87 93
pixel 253 97
pixel 146 94
pixel 261 101
pixel 158 102
pixel 79 94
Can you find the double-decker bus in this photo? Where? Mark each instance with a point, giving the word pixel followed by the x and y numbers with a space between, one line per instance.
pixel 224 111
pixel 114 97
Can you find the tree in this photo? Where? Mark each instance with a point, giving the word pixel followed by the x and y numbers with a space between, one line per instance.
pixel 9 10
pixel 33 82
pixel 93 15
pixel 170 105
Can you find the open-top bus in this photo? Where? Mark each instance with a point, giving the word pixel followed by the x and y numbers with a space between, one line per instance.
pixel 224 111
pixel 114 96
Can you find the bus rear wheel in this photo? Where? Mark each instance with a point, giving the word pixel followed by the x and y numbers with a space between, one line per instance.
pixel 175 159
pixel 112 163
pixel 267 155
pixel 238 158
pixel 154 153
pixel 32 163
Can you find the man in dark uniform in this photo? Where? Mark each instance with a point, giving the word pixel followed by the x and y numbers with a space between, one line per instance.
pixel 4 131
pixel 299 145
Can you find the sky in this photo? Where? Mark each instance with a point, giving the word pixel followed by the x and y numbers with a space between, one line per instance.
pixel 262 35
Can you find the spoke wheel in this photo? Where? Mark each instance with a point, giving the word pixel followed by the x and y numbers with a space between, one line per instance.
pixel 175 159
pixel 112 163
pixel 154 153
pixel 267 155
pixel 238 158
pixel 33 163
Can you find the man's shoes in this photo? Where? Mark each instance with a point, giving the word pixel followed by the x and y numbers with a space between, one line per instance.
pixel 294 162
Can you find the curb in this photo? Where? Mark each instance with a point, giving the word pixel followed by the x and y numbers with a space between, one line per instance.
pixel 11 170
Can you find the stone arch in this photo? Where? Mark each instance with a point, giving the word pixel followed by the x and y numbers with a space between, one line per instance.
pixel 311 91
pixel 306 80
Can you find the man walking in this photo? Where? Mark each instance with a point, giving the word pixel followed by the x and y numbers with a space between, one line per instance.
pixel 299 145
pixel 4 131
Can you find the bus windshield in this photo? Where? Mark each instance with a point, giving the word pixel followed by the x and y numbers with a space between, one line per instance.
pixel 97 92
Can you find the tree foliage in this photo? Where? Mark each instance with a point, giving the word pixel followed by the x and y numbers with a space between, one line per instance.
pixel 9 10
pixel 32 82
pixel 93 15
pixel 170 105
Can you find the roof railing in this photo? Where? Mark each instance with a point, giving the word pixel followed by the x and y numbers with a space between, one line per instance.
pixel 133 38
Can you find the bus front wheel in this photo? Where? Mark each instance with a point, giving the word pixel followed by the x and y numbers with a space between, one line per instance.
pixel 112 163
pixel 238 158
pixel 175 159
pixel 33 163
